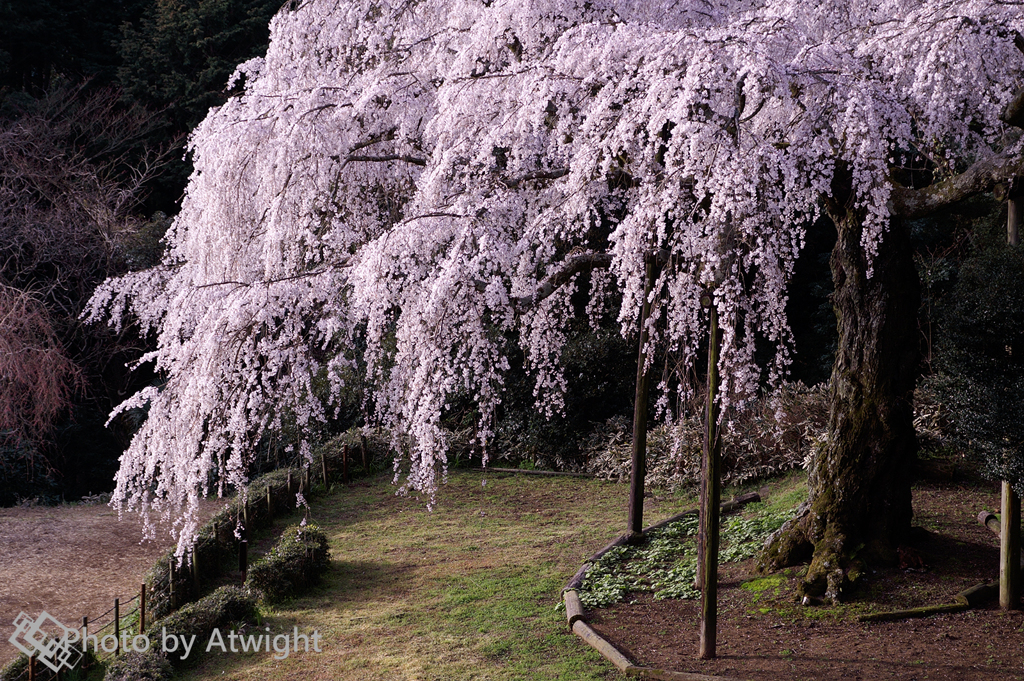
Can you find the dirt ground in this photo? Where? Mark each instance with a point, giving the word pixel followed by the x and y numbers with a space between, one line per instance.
pixel 71 561
pixel 764 634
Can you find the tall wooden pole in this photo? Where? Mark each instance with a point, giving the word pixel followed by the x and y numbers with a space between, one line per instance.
pixel 1009 535
pixel 638 470
pixel 710 498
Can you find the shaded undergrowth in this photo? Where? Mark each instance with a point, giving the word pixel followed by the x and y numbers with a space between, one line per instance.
pixel 664 562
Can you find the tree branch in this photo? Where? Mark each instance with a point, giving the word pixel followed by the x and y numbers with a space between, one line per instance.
pixel 981 177
pixel 577 264
pixel 538 175
pixel 388 157
pixel 1013 114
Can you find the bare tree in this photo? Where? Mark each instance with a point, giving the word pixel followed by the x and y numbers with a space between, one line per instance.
pixel 36 376
pixel 73 168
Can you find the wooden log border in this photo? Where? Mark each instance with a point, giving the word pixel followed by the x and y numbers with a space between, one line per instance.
pixel 531 471
pixel 577 620
pixel 965 600
pixel 973 597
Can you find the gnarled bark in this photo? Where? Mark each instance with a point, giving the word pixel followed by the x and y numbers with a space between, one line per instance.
pixel 859 505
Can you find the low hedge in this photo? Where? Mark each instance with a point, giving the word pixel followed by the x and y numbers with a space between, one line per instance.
pixel 222 607
pixel 298 560
pixel 150 665
pixel 269 496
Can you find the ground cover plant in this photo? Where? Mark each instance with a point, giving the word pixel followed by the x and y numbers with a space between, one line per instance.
pixel 664 562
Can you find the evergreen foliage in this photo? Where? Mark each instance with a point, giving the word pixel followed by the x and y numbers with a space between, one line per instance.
pixel 979 363
pixel 175 58
pixel 43 42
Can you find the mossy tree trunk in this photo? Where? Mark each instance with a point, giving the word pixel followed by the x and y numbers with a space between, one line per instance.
pixel 859 505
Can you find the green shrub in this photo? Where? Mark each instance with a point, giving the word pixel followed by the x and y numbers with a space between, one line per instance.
pixel 225 605
pixel 15 669
pixel 298 559
pixel 150 665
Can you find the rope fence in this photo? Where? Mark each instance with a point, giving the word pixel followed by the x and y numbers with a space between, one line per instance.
pixel 104 635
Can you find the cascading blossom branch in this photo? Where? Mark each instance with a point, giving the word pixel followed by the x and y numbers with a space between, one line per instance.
pixel 428 179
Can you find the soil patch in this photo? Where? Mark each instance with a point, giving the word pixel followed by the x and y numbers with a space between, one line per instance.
pixel 764 634
pixel 72 561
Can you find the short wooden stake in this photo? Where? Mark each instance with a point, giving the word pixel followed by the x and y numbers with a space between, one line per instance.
pixel 323 466
pixel 117 626
pixel 243 565
pixel 362 451
pixel 1009 549
pixel 344 465
pixel 142 609
pixel 270 503
pixel 170 581
pixel 32 668
pixel 289 482
pixel 195 568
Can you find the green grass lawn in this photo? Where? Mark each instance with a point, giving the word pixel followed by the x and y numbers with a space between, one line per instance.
pixel 466 591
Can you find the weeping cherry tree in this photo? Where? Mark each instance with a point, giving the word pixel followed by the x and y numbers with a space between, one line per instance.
pixel 432 181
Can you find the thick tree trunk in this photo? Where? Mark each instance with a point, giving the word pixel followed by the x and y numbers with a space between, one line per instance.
pixel 859 510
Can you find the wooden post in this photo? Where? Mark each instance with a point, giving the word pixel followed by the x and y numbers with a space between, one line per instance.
pixel 117 626
pixel 243 564
pixel 31 668
pixel 270 503
pixel 85 631
pixel 1013 211
pixel 170 581
pixel 142 609
pixel 195 568
pixel 638 467
pixel 289 482
pixel 323 464
pixel 1009 537
pixel 344 466
pixel 710 497
pixel 362 451
pixel 1009 549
